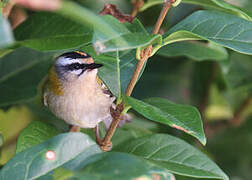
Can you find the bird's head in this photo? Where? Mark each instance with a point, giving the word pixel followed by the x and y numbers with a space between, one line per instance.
pixel 75 65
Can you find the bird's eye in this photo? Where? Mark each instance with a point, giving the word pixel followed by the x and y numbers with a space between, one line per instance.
pixel 75 66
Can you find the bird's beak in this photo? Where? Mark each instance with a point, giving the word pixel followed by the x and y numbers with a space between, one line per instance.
pixel 94 66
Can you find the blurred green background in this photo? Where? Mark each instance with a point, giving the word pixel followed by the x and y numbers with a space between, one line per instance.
pixel 182 80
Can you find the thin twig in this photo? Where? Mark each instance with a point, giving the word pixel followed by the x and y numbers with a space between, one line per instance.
pixel 145 55
pixel 238 119
pixel 136 4
pixel 106 144
pixel 166 7
pixel 146 52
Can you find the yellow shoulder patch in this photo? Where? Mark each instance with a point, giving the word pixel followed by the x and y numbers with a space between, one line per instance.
pixel 103 86
pixel 54 83
pixel 99 81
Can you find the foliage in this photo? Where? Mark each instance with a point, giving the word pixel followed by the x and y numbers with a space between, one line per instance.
pixel 204 59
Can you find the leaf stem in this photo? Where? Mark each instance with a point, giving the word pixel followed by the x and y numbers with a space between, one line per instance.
pixel 119 98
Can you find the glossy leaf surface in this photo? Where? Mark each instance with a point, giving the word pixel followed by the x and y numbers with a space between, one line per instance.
pixel 20 74
pixel 182 117
pixel 47 31
pixel 194 50
pixel 35 133
pixel 36 162
pixel 114 165
pixel 218 27
pixel 209 4
pixel 175 155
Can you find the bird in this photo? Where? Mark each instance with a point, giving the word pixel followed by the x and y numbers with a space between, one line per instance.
pixel 74 92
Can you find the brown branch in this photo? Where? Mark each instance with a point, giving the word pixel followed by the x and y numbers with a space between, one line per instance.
pixel 111 9
pixel 146 52
pixel 106 144
pixel 144 57
pixel 136 4
pixel 238 119
pixel 165 9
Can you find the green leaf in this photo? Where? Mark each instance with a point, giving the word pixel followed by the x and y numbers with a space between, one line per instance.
pixel 182 117
pixel 35 133
pixel 217 27
pixel 176 37
pixel 109 73
pixel 194 50
pixel 175 155
pixel 219 5
pixel 115 165
pixel 32 163
pixel 20 74
pixel 5 32
pixel 109 33
pixel 125 40
pixel 238 74
pixel 135 129
pixel 232 9
pixel 47 31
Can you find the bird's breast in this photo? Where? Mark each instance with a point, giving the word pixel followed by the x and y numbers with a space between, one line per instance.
pixel 83 104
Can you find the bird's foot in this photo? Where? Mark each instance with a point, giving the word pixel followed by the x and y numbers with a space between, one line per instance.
pixel 106 146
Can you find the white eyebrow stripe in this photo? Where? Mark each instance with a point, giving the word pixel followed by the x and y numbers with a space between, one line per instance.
pixel 63 61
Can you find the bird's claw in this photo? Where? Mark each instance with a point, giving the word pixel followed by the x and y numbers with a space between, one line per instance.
pixel 106 146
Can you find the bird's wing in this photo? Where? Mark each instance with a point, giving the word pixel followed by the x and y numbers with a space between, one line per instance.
pixel 104 88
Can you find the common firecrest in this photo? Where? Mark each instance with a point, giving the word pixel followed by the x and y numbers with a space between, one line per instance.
pixel 74 92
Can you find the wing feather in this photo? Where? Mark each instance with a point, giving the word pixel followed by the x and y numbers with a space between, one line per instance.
pixel 104 88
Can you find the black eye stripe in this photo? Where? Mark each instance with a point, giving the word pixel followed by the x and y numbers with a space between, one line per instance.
pixel 75 66
pixel 78 66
